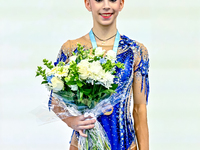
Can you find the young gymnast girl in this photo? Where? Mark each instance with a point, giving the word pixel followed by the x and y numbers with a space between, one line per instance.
pixel 118 124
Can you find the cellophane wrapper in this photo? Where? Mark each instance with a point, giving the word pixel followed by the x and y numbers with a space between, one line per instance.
pixel 96 138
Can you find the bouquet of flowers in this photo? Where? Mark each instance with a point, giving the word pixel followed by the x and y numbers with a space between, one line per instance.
pixel 85 85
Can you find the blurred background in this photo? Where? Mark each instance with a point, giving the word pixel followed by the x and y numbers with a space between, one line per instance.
pixel 35 29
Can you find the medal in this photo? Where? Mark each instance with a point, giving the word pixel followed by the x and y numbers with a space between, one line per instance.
pixel 108 112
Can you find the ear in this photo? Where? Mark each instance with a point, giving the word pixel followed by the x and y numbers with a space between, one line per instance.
pixel 121 5
pixel 87 5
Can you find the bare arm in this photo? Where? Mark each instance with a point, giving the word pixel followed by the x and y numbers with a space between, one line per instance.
pixel 140 93
pixel 141 127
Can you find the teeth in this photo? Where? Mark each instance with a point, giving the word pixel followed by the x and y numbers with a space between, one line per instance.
pixel 106 15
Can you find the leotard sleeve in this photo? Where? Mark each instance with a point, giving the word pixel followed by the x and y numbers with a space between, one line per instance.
pixel 141 76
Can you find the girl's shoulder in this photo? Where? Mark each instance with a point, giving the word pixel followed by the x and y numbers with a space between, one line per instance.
pixel 129 42
pixel 71 45
pixel 137 47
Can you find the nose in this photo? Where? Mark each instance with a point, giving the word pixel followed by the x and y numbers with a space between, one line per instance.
pixel 106 5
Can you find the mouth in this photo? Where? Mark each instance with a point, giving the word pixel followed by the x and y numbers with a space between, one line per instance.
pixel 106 15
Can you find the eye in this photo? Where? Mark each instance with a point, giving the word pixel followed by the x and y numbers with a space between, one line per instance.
pixel 102 0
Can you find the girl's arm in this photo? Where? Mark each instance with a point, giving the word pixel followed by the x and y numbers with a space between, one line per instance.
pixel 141 127
pixel 140 97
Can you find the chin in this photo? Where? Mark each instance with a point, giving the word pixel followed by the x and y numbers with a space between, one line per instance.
pixel 106 23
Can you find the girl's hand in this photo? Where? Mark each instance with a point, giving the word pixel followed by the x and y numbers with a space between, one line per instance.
pixel 79 123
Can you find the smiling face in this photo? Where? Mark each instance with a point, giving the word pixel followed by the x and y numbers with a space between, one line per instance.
pixel 104 12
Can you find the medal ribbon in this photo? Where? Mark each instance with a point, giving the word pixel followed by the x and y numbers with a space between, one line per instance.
pixel 115 48
pixel 94 43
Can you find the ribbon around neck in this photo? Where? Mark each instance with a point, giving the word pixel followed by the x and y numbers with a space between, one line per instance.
pixel 94 43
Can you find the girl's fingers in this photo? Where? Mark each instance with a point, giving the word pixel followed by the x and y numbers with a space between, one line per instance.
pixel 82 118
pixel 87 122
pixel 82 134
pixel 86 127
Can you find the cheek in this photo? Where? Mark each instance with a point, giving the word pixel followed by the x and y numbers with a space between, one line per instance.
pixel 94 7
pixel 117 7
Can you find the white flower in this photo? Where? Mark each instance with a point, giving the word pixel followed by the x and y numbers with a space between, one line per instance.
pixel 96 70
pixel 84 69
pixel 52 71
pixel 111 55
pixel 108 79
pixel 99 51
pixel 73 87
pixel 66 69
pixel 57 84
pixel 72 58
pixel 62 71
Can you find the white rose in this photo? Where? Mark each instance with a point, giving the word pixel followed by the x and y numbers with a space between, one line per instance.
pixel 57 84
pixel 99 51
pixel 111 55
pixel 72 58
pixel 73 87
pixel 83 69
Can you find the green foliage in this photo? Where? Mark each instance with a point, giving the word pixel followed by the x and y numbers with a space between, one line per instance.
pixel 41 72
pixel 97 140
pixel 48 64
pixel 66 95
pixel 79 83
pixel 44 82
pixel 93 51
pixel 82 53
pixel 108 66
pixel 74 75
pixel 60 64
pixel 96 58
pixel 120 65
pixel 91 96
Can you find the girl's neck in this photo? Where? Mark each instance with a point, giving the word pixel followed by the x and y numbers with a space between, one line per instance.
pixel 105 32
